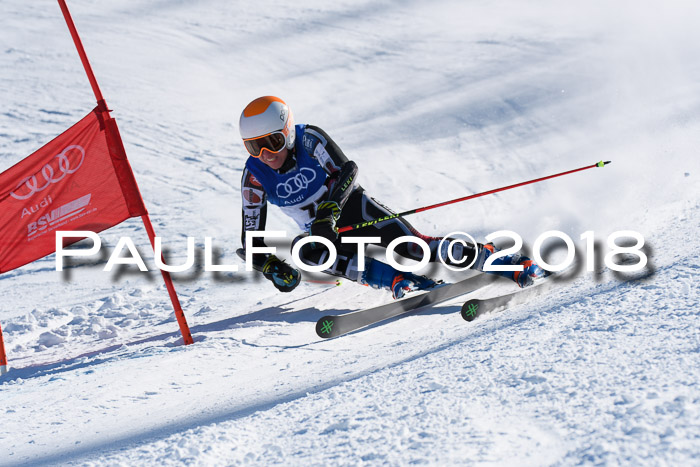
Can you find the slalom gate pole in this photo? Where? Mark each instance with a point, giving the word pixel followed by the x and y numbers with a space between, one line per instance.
pixel 102 105
pixel 179 314
pixel 3 356
pixel 465 198
pixel 81 51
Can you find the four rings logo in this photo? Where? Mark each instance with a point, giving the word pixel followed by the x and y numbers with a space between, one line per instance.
pixel 296 183
pixel 69 161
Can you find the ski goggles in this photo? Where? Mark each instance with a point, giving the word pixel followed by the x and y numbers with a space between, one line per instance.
pixel 273 142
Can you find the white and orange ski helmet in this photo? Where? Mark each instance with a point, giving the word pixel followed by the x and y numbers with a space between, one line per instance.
pixel 267 123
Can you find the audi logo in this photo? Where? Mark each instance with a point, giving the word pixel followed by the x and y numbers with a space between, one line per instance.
pixel 30 185
pixel 296 183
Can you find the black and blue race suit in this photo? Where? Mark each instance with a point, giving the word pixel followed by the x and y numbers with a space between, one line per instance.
pixel 315 171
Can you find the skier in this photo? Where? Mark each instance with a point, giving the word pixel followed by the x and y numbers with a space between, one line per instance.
pixel 300 169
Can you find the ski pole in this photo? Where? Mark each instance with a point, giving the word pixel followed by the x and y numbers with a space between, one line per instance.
pixel 336 282
pixel 465 198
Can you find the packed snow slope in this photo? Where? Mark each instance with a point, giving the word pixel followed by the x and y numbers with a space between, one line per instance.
pixel 433 100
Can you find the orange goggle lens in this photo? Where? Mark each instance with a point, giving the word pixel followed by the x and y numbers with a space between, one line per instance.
pixel 274 142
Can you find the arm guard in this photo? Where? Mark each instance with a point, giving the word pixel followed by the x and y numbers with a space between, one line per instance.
pixel 344 183
pixel 254 213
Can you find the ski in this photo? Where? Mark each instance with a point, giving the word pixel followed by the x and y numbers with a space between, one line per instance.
pixel 338 325
pixel 472 309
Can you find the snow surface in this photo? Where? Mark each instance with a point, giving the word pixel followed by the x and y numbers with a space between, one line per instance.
pixel 433 100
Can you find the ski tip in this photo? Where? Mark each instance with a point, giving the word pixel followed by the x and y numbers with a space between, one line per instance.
pixel 603 164
pixel 324 327
pixel 470 310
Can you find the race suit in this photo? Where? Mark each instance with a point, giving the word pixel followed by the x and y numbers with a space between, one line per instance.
pixel 316 170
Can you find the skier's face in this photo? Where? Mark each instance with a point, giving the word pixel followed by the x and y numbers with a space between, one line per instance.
pixel 274 160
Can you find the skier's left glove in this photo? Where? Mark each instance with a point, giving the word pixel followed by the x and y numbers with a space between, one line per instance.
pixel 327 215
pixel 285 277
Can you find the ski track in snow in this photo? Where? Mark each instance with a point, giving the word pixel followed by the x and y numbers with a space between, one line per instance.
pixel 433 102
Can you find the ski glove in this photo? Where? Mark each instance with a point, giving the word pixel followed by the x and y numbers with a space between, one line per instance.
pixel 327 215
pixel 285 277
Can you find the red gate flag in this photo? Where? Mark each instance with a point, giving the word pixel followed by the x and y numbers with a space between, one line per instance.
pixel 79 181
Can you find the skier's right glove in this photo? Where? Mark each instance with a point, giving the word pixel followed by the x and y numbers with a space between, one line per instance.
pixel 285 277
